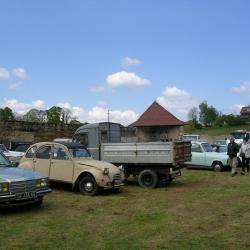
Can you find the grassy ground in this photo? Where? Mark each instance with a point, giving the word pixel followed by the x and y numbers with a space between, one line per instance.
pixel 216 131
pixel 200 210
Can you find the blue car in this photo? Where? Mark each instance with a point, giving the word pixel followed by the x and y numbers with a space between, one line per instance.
pixel 20 186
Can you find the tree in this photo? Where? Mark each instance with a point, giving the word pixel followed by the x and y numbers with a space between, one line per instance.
pixel 35 115
pixel 54 115
pixel 208 114
pixel 65 115
pixel 193 117
pixel 6 115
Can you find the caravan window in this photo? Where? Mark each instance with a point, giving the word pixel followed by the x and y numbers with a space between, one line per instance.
pixel 82 139
pixel 104 136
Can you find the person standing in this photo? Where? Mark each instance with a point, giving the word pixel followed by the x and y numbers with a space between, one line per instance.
pixel 247 157
pixel 232 151
pixel 244 161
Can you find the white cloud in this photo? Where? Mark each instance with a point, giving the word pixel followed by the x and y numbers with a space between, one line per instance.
pixel 21 107
pixel 4 74
pixel 20 73
pixel 124 78
pixel 99 113
pixel 243 88
pixel 128 61
pixel 237 108
pixel 174 92
pixel 177 101
pixel 38 104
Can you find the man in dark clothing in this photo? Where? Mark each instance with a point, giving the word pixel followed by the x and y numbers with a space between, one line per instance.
pixel 232 151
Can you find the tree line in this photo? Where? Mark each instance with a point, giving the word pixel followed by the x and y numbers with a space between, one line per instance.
pixel 54 115
pixel 209 116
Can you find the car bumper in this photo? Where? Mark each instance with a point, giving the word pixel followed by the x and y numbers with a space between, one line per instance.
pixel 12 197
pixel 113 185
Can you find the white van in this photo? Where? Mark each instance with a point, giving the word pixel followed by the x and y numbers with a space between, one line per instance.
pixel 191 137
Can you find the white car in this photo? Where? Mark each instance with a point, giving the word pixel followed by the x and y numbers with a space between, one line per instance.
pixel 13 156
pixel 203 155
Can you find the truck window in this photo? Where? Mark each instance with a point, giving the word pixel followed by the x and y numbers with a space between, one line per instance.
pixel 196 148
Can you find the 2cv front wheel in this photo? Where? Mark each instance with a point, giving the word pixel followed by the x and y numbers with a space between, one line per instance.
pixel 88 186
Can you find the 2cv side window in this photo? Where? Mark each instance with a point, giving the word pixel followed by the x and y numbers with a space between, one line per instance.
pixel 31 152
pixel 43 153
pixel 59 153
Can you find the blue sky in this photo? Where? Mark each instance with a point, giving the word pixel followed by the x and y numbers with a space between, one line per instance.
pixel 121 55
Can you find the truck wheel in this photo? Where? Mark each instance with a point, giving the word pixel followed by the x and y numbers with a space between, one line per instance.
pixel 148 179
pixel 88 186
pixel 217 166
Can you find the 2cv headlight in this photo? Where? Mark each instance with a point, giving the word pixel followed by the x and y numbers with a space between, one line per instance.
pixel 41 183
pixel 106 171
pixel 4 187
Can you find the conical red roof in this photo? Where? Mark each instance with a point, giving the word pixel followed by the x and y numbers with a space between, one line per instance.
pixel 156 115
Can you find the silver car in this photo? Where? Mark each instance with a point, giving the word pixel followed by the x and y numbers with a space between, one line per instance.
pixel 20 186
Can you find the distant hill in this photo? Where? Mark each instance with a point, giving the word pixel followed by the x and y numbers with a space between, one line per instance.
pixel 215 133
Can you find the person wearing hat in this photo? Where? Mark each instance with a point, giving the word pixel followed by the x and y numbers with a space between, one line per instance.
pixel 232 151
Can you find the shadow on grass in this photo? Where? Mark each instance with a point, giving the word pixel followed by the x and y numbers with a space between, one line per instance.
pixel 22 209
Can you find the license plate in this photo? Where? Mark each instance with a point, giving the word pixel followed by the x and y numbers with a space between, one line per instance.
pixel 26 195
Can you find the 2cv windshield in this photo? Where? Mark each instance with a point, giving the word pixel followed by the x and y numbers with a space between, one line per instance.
pixel 78 152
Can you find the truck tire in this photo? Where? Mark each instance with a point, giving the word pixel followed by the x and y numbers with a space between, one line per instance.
pixel 88 186
pixel 148 179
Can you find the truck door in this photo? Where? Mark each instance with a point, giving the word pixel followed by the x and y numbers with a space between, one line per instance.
pixel 42 160
pixel 62 166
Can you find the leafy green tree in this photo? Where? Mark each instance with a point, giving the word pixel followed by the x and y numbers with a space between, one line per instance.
pixel 35 115
pixel 208 114
pixel 54 115
pixel 6 114
pixel 230 120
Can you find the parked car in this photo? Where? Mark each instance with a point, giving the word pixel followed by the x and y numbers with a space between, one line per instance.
pixel 191 137
pixel 219 148
pixel 204 156
pixel 13 156
pixel 220 142
pixel 19 146
pixel 20 186
pixel 72 163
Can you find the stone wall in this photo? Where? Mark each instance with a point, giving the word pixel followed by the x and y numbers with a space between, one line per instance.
pixel 35 132
pixel 160 133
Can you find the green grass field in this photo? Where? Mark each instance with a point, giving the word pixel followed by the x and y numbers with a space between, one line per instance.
pixel 216 131
pixel 200 210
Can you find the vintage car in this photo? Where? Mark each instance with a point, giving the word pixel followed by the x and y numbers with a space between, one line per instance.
pixel 13 156
pixel 204 156
pixel 20 186
pixel 72 163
